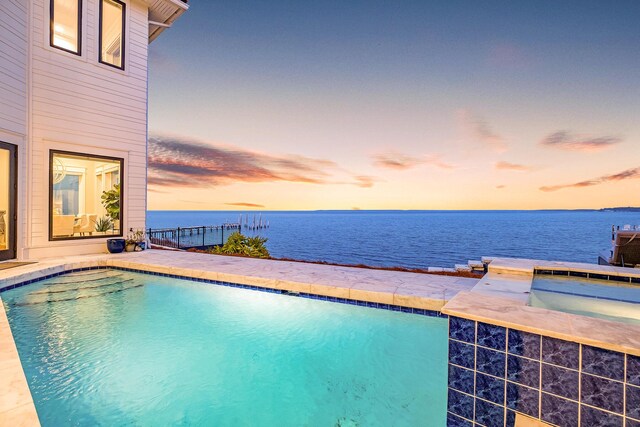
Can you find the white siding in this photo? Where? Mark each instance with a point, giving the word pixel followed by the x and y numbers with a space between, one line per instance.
pixel 13 67
pixel 81 105
pixel 13 92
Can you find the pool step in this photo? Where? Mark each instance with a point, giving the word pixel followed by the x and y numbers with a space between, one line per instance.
pixel 47 299
pixel 55 290
pixel 68 279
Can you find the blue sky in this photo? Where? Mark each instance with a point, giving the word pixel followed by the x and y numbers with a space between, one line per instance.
pixel 378 104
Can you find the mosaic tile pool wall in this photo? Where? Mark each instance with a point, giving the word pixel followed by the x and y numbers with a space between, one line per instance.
pixel 496 372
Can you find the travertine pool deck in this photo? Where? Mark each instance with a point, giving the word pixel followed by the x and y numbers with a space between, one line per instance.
pixel 501 298
pixel 423 291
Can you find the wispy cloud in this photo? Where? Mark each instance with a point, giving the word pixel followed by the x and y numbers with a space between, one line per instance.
pixel 399 161
pixel 567 141
pixel 508 166
pixel 621 176
pixel 500 187
pixel 181 162
pixel 245 205
pixel 155 190
pixel 364 181
pixel 479 129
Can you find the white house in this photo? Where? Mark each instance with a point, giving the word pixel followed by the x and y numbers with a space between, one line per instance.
pixel 73 121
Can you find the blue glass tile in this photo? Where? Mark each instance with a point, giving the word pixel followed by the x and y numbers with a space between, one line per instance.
pixel 523 399
pixel 462 329
pixel 490 388
pixel 489 414
pixel 396 308
pixel 559 411
pixel 604 363
pixel 602 393
pixel 561 353
pixel 491 362
pixel 384 306
pixel 523 371
pixel 461 379
pixel 511 419
pixel 633 402
pixel 460 404
pixel 595 418
pixel 407 310
pixel 560 272
pixel 492 336
pixel 560 381
pixel 455 421
pixel 633 370
pixel 578 274
pixel 624 279
pixel 635 280
pixel 462 354
pixel 632 423
pixel 524 344
pixel 419 311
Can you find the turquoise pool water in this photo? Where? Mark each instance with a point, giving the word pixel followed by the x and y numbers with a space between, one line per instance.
pixel 603 299
pixel 109 347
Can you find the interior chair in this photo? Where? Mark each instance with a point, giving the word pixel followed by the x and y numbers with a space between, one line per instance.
pixel 86 223
pixel 63 225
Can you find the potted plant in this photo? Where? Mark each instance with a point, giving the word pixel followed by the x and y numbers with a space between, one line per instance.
pixel 104 224
pixel 136 241
pixel 111 202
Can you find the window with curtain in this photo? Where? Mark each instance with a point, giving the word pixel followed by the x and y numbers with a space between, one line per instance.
pixel 112 14
pixel 65 21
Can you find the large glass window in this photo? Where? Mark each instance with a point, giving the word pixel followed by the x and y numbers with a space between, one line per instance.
pixel 65 25
pixel 85 195
pixel 112 13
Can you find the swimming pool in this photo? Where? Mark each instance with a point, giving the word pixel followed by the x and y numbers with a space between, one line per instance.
pixel 113 347
pixel 605 299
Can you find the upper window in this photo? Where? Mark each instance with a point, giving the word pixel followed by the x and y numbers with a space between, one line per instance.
pixel 65 25
pixel 112 13
pixel 85 196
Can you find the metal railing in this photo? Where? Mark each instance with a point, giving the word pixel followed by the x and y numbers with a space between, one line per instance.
pixel 202 237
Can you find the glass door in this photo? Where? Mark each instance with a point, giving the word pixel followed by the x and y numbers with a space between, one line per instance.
pixel 7 201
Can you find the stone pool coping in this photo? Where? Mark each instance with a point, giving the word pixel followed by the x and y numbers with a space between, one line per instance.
pixel 501 298
pixel 419 291
pixel 16 404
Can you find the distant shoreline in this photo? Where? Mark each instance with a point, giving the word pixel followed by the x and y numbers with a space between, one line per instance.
pixel 612 209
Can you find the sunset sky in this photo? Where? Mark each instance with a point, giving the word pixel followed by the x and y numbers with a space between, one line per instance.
pixel 396 105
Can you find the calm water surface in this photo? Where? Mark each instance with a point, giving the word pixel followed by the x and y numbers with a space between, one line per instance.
pixel 423 238
pixel 113 348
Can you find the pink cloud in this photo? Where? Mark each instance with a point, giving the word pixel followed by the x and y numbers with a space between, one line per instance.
pixel 502 165
pixel 399 161
pixel 180 162
pixel 620 176
pixel 480 130
pixel 566 141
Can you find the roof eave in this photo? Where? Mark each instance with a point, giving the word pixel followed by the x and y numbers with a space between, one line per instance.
pixel 162 14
